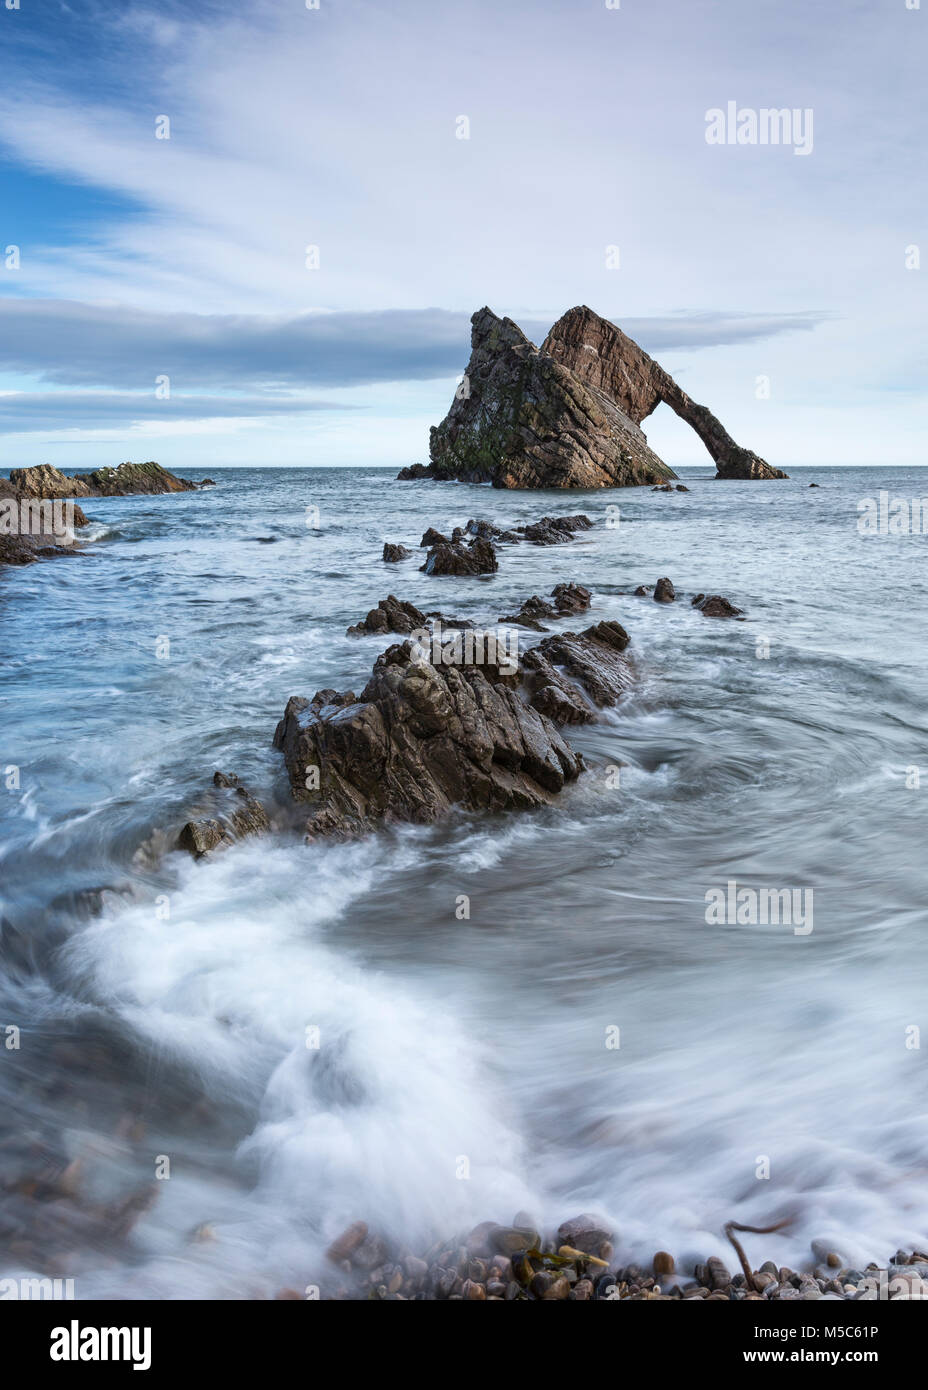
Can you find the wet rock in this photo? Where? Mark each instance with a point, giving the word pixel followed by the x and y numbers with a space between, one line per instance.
pixel 558 1290
pixel 482 530
pixel 664 591
pixel 393 553
pixel 715 606
pixel 235 814
pixel 509 1240
pixel 31 528
pixel 347 1243
pixel 585 1232
pixel 663 1264
pixel 681 487
pixel 643 591
pixel 569 599
pixel 477 558
pixel 718 1276
pixel 664 487
pixel 419 740
pixel 555 530
pixel 571 676
pixel 433 537
pixel 390 615
pixel 370 1252
pixel 414 471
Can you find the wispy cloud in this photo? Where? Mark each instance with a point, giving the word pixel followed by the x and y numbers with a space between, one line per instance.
pixel 24 412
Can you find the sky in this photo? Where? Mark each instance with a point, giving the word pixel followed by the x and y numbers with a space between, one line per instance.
pixel 255 234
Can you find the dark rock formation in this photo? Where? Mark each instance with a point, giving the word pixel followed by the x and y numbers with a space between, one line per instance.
pixel 715 606
pixel 569 677
pixel 45 481
pixel 526 420
pixel 477 558
pixel 390 615
pixel 393 553
pixel 234 814
pixel 643 590
pixel 569 599
pixel 33 528
pixel 681 487
pixel 664 591
pixel 608 361
pixel 393 615
pixel 414 470
pixel 419 740
pixel 433 537
pixel 555 530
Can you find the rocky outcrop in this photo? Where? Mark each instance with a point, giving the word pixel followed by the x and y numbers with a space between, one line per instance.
pixel 417 741
pixel 569 599
pixel 456 558
pixel 33 528
pixel 393 615
pixel 432 537
pixel 572 676
pixel 715 606
pixel 522 419
pixel 608 361
pixel 233 814
pixel 555 530
pixel 664 591
pixel 393 553
pixel 45 481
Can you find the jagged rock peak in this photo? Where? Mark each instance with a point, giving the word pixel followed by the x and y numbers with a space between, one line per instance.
pixel 521 419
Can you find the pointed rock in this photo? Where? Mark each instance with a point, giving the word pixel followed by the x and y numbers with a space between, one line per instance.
pixel 523 419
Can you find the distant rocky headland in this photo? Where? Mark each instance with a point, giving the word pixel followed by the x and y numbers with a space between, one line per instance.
pixel 567 414
pixel 33 524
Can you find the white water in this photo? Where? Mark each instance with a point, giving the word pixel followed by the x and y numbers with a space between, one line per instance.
pixel 462 1070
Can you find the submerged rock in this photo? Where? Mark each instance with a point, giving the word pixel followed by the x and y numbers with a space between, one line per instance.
pixel 235 814
pixel 607 360
pixel 715 606
pixel 555 530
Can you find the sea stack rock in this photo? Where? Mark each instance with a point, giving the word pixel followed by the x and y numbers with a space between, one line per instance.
pixel 45 481
pixel 609 362
pixel 524 419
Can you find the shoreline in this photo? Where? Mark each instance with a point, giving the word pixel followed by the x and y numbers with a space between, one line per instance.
pixel 495 1263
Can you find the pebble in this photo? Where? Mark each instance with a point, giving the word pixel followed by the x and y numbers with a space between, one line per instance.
pixel 516 1263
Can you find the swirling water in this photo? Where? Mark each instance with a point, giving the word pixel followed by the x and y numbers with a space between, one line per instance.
pixel 465 1068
